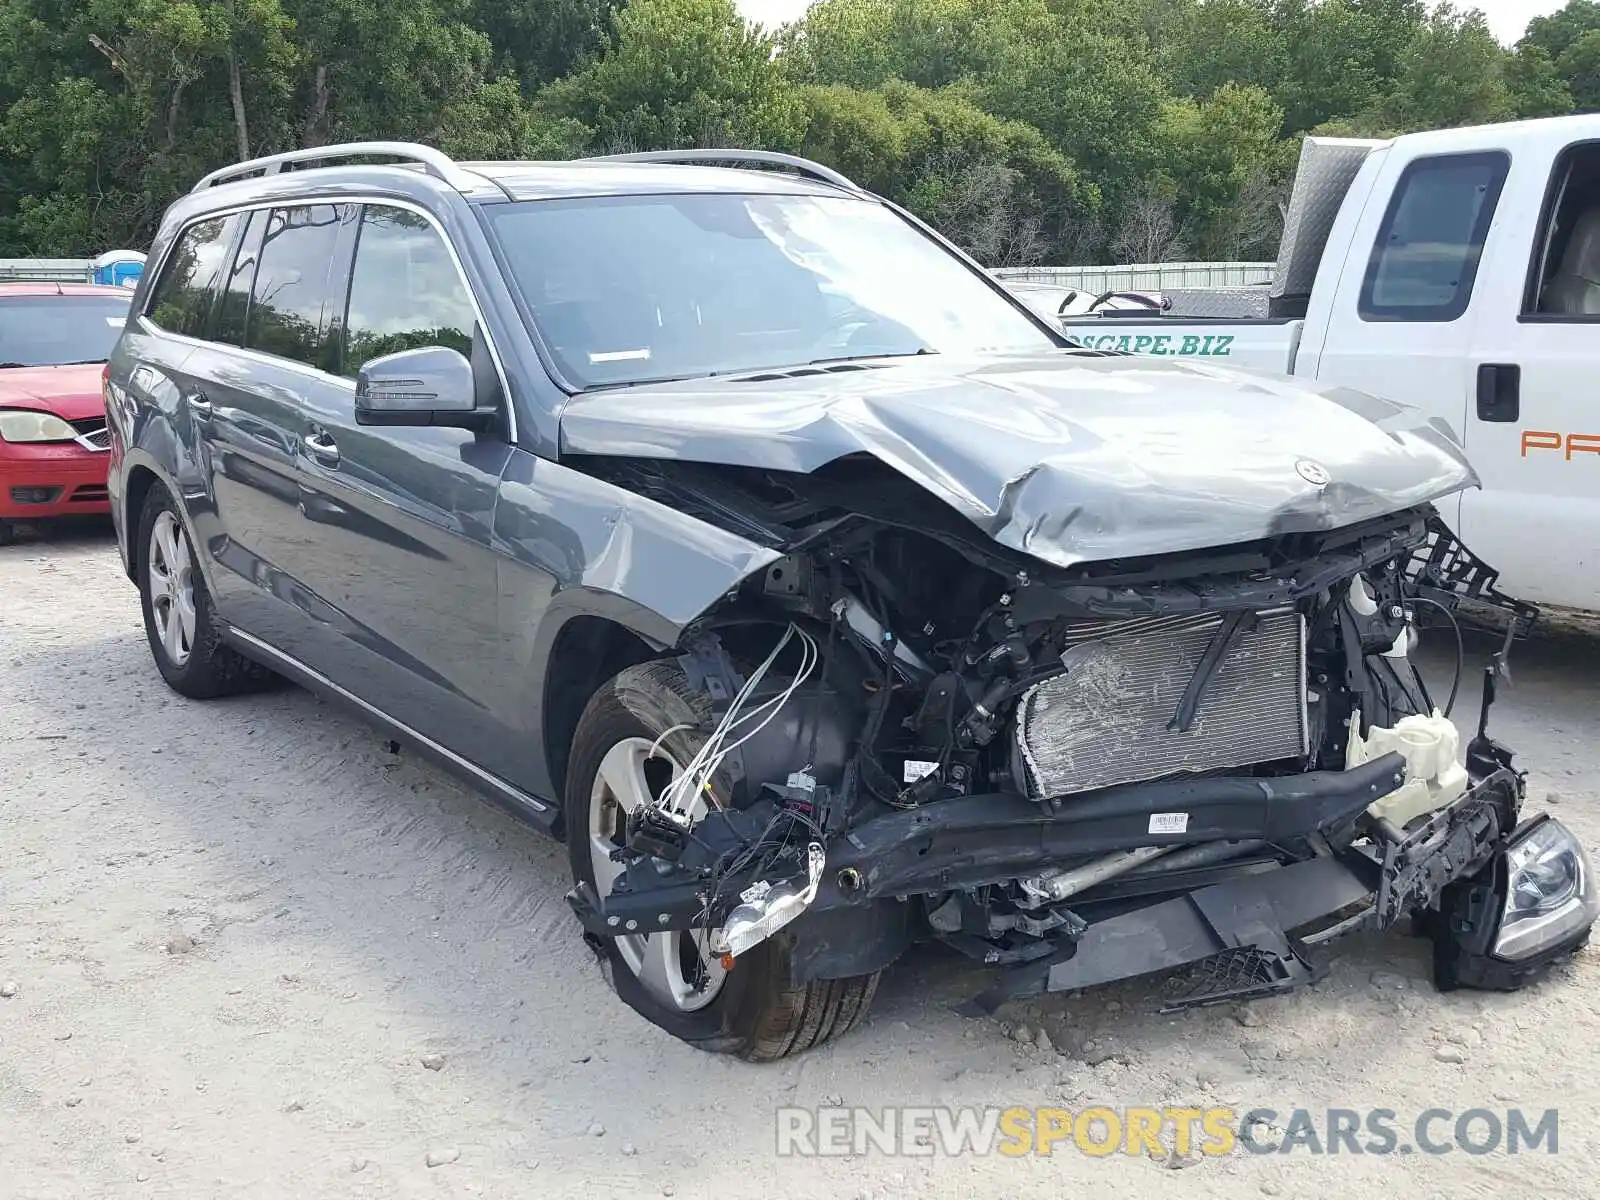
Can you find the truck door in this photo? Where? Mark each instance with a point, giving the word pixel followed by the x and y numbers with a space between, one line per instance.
pixel 1401 324
pixel 1533 426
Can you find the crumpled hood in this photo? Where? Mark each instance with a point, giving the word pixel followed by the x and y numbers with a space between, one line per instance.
pixel 71 393
pixel 1066 457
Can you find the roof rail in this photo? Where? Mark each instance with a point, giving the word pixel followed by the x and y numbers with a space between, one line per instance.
pixel 735 158
pixel 435 162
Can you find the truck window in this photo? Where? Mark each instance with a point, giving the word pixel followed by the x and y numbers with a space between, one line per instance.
pixel 1564 278
pixel 1426 255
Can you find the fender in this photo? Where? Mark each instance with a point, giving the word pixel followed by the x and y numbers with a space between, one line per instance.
pixel 571 545
pixel 137 458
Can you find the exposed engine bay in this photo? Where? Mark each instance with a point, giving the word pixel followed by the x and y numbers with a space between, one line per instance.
pixel 921 733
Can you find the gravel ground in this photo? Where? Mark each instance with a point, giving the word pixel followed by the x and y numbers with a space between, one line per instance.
pixel 251 954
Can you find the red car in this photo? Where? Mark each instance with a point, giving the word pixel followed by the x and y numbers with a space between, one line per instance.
pixel 54 340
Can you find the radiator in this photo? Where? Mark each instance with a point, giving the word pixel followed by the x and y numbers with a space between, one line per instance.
pixel 1105 721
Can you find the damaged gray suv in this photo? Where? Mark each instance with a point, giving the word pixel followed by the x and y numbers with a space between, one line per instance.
pixel 720 518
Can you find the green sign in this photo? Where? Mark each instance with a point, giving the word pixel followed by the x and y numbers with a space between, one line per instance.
pixel 1167 345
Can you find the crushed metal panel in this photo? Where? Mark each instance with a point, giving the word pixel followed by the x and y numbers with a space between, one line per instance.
pixel 1067 457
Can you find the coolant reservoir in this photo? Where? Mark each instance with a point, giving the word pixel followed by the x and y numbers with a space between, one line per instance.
pixel 1429 745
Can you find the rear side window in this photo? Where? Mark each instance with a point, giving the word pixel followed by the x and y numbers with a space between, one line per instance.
pixel 293 297
pixel 181 300
pixel 1425 260
pixel 234 307
pixel 405 291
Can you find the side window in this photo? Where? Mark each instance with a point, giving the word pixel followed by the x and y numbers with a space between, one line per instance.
pixel 1425 260
pixel 1564 280
pixel 292 300
pixel 405 291
pixel 181 299
pixel 234 307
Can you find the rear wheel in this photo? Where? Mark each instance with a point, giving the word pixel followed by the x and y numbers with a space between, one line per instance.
pixel 753 1011
pixel 179 620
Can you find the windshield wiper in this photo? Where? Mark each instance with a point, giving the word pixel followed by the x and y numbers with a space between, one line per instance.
pixel 631 383
pixel 6 366
pixel 917 353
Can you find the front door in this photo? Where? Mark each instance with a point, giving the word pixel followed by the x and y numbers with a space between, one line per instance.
pixel 401 517
pixel 1533 431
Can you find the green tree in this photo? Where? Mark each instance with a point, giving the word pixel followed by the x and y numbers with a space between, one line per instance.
pixel 1213 153
pixel 1204 46
pixel 1452 74
pixel 682 73
pixel 1344 56
pixel 536 43
pixel 996 187
pixel 1537 88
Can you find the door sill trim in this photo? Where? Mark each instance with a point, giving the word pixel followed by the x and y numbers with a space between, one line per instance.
pixel 520 797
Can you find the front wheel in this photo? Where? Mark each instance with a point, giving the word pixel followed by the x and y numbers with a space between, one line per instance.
pixel 674 980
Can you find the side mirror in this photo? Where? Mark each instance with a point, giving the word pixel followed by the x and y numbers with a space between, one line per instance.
pixel 432 385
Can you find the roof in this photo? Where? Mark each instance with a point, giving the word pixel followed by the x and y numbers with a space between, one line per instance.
pixel 424 175
pixel 10 290
pixel 598 177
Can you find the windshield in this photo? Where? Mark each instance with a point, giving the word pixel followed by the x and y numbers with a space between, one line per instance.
pixel 50 331
pixel 629 289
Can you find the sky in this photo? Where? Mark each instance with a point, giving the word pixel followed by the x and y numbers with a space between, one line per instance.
pixel 1508 18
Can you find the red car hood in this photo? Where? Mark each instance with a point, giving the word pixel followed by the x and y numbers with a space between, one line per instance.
pixel 71 393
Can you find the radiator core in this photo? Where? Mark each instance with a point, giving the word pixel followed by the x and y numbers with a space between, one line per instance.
pixel 1105 721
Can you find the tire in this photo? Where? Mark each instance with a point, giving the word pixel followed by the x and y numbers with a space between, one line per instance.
pixel 8 533
pixel 755 1012
pixel 193 659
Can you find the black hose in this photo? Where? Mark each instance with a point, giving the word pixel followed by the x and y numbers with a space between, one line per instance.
pixel 1461 651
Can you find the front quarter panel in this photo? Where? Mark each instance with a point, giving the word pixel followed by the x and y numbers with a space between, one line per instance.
pixel 570 546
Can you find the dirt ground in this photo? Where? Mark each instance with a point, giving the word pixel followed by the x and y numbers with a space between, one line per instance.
pixel 232 934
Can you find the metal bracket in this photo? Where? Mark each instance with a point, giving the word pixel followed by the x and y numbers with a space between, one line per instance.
pixel 1450 844
pixel 1445 571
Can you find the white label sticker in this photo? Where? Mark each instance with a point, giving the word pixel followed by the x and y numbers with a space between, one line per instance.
pixel 611 356
pixel 802 781
pixel 1169 822
pixel 755 891
pixel 915 769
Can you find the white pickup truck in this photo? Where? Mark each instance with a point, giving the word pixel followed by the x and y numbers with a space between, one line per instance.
pixel 1459 271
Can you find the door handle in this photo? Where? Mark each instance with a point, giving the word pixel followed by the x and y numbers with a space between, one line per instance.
pixel 322 447
pixel 1499 392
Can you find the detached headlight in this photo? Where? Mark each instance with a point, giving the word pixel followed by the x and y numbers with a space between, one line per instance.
pixel 20 425
pixel 1550 891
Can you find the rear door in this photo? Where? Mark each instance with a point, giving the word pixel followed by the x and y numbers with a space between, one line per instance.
pixel 1401 325
pixel 1533 429
pixel 398 520
pixel 156 349
pixel 264 367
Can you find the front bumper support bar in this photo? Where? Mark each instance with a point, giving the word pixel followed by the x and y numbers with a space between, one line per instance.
pixel 977 840
pixel 1257 913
